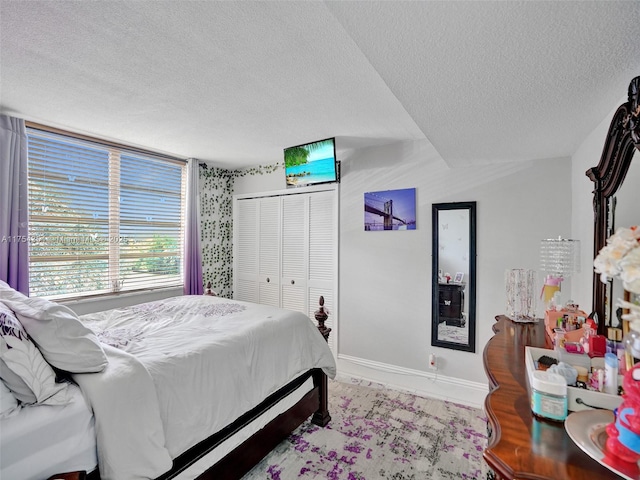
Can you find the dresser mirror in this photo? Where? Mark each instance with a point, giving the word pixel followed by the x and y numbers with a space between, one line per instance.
pixel 615 195
pixel 623 212
pixel 453 320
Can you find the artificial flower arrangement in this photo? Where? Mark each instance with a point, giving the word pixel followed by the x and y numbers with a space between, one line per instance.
pixel 620 258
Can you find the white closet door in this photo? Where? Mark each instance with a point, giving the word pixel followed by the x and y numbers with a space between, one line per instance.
pixel 285 252
pixel 294 252
pixel 322 238
pixel 322 255
pixel 246 251
pixel 269 251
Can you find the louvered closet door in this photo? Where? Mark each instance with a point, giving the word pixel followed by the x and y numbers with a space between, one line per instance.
pixel 269 251
pixel 246 251
pixel 294 252
pixel 322 255
pixel 292 241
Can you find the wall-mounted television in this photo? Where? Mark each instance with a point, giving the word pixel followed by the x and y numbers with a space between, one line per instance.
pixel 311 163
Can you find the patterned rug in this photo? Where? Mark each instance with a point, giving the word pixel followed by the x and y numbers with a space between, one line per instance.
pixel 377 433
pixel 449 333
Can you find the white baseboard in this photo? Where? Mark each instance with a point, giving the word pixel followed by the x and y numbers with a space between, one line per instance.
pixel 429 384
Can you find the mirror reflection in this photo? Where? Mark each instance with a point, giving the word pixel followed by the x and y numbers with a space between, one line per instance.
pixel 453 294
pixel 623 212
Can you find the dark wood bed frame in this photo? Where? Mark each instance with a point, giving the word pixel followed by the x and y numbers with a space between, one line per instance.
pixel 245 456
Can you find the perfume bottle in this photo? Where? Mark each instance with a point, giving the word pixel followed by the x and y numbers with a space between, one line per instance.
pixel 587 332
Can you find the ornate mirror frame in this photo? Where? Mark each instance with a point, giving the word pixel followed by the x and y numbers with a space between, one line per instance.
pixel 621 142
pixel 465 286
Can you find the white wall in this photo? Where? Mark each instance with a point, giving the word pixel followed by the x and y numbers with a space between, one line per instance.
pixel 385 277
pixel 267 182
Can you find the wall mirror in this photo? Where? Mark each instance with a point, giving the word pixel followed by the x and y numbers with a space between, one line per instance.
pixel 615 196
pixel 453 299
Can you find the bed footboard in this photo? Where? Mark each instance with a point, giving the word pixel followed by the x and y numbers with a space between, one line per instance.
pixel 244 457
pixel 321 416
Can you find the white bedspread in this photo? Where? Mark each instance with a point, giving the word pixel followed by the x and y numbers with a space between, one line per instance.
pixel 38 441
pixel 210 360
pixel 129 432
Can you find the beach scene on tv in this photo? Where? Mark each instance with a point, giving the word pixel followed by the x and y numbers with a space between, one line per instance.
pixel 310 164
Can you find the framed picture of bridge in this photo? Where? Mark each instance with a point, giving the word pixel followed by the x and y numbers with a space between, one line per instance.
pixel 390 210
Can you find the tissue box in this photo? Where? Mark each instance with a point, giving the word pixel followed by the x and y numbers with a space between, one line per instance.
pixel 589 397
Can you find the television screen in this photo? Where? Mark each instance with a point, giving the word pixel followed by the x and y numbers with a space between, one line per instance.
pixel 311 163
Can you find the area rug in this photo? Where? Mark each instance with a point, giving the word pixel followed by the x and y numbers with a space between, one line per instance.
pixel 377 433
pixel 449 333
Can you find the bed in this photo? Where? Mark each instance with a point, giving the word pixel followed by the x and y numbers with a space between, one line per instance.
pixel 188 387
pixel 37 442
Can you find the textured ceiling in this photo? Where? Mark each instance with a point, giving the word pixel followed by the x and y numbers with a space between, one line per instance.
pixel 233 83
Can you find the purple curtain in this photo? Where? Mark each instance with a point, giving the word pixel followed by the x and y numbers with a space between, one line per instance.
pixel 14 213
pixel 192 252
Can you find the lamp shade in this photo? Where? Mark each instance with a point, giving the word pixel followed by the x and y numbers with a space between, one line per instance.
pixel 560 257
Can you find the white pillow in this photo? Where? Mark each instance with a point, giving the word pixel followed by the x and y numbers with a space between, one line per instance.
pixel 18 386
pixel 24 370
pixel 57 331
pixel 8 402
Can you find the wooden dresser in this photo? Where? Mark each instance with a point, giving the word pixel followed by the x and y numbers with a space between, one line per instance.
pixel 520 445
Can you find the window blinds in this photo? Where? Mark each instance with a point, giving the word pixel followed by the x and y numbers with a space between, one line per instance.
pixel 102 219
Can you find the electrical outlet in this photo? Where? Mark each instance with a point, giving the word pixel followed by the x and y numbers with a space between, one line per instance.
pixel 432 362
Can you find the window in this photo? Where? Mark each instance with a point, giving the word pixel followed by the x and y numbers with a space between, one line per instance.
pixel 102 219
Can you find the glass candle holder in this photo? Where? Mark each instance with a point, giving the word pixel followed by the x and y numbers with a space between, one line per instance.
pixel 521 297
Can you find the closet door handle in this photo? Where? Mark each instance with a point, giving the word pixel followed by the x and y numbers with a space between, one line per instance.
pixel 293 282
pixel 268 279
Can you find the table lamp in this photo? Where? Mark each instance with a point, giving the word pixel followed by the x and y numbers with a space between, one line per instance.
pixel 559 258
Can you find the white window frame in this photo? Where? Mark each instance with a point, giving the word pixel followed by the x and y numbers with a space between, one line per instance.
pixel 116 253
